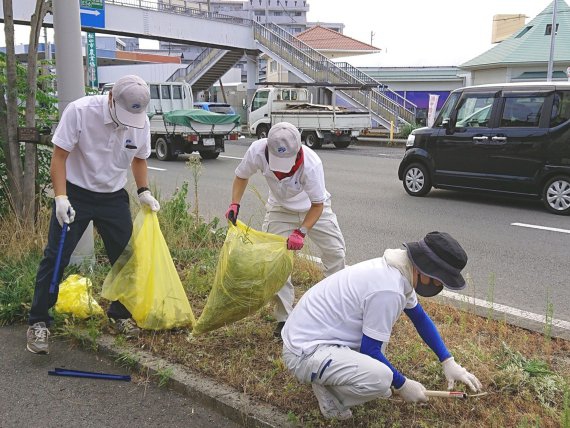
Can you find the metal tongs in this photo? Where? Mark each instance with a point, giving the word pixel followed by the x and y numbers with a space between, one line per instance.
pixel 92 375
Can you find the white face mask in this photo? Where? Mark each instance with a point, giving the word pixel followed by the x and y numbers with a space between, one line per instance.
pixel 114 113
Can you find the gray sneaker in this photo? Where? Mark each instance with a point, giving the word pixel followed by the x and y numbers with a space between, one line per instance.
pixel 329 405
pixel 38 335
pixel 126 326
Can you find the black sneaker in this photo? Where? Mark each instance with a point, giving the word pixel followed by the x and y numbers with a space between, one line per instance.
pixel 278 328
pixel 37 336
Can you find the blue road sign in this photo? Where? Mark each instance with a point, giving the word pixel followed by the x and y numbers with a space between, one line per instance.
pixel 92 13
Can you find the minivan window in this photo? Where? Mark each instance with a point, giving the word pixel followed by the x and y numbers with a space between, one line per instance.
pixel 560 108
pixel 445 113
pixel 522 111
pixel 475 110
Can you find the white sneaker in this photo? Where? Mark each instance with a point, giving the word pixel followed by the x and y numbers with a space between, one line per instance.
pixel 329 405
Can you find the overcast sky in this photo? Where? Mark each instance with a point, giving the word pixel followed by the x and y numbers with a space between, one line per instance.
pixel 420 32
pixel 411 32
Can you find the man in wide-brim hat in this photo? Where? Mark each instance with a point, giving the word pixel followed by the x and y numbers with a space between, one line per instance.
pixel 336 335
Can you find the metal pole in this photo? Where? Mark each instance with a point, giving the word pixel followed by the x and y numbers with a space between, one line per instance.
pixel 71 86
pixel 552 43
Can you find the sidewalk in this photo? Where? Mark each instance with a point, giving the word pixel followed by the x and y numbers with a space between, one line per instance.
pixel 29 397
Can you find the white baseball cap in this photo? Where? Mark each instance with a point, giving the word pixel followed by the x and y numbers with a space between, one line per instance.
pixel 283 144
pixel 131 95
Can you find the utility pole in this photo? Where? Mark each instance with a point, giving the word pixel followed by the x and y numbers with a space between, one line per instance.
pixel 552 43
pixel 372 34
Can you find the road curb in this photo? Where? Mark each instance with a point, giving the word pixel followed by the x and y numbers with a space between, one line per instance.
pixel 227 401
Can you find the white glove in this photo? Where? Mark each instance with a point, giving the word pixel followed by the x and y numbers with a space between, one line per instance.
pixel 64 212
pixel 146 198
pixel 412 391
pixel 454 371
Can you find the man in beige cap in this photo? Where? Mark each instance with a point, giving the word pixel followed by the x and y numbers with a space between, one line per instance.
pixel 298 204
pixel 96 141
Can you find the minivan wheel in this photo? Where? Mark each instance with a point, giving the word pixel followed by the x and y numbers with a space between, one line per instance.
pixel 417 181
pixel 556 195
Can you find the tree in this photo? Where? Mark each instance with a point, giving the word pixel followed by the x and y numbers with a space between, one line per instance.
pixel 21 176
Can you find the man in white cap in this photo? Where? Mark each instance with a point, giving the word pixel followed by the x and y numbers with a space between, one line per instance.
pixel 336 336
pixel 96 141
pixel 298 204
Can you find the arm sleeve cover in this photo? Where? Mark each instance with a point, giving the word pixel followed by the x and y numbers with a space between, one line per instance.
pixel 427 331
pixel 373 348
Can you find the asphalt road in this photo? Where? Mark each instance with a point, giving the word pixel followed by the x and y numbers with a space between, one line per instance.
pixel 521 267
pixel 31 398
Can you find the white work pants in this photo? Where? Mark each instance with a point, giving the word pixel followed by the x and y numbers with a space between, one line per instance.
pixel 353 378
pixel 325 234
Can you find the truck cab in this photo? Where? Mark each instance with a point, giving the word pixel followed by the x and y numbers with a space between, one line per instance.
pixel 267 100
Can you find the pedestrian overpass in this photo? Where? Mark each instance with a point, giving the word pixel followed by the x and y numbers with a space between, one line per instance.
pixel 226 40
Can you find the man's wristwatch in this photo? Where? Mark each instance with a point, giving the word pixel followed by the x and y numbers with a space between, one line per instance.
pixel 142 189
pixel 303 231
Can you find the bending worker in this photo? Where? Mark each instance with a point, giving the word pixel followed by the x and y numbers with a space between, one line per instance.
pixel 335 337
pixel 298 204
pixel 96 142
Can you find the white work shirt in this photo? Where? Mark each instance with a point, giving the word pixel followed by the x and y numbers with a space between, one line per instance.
pixel 366 298
pixel 295 193
pixel 98 154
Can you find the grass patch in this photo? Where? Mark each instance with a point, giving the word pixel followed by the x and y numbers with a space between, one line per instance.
pixel 526 374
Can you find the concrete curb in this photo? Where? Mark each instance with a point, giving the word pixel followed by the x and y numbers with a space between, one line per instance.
pixel 227 401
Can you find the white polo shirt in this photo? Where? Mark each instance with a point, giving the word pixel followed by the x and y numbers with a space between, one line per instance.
pixel 295 193
pixel 365 298
pixel 100 152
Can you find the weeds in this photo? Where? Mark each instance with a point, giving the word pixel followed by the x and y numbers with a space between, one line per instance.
pixel 128 361
pixel 164 374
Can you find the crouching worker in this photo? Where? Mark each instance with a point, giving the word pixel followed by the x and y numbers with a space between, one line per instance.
pixel 336 335
pixel 98 138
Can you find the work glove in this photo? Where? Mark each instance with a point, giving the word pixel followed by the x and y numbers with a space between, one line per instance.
pixel 412 391
pixel 232 212
pixel 145 198
pixel 454 371
pixel 296 240
pixel 64 212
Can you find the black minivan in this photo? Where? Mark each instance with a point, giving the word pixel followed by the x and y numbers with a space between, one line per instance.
pixel 511 138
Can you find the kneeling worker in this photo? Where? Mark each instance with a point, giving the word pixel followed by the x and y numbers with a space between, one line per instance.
pixel 336 335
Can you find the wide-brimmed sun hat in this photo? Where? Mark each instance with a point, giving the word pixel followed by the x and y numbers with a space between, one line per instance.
pixel 439 256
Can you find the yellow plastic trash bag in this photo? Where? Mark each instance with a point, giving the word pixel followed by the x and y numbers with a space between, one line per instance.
pixel 75 298
pixel 144 279
pixel 252 267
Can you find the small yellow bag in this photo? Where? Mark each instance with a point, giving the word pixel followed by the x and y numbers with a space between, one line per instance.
pixel 252 267
pixel 74 298
pixel 145 280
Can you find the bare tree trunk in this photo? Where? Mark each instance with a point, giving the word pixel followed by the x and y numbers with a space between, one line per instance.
pixel 15 172
pixel 30 163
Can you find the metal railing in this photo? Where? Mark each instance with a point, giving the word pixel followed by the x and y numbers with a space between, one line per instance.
pixel 387 104
pixel 206 58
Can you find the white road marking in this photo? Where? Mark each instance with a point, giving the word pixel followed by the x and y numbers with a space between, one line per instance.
pixel 156 169
pixel 534 226
pixel 496 307
pixel 231 157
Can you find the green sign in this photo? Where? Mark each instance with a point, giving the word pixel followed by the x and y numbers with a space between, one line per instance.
pixel 92 61
pixel 93 4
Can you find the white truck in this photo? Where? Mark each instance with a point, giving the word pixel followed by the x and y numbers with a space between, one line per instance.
pixel 176 127
pixel 318 124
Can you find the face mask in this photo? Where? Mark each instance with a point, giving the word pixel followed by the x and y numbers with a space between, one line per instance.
pixel 428 290
pixel 113 113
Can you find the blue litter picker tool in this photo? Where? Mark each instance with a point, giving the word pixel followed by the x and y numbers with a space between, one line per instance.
pixel 58 259
pixel 92 375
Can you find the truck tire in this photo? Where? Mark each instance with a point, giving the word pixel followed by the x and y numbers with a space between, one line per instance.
pixel 342 144
pixel 262 131
pixel 163 149
pixel 209 155
pixel 312 141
